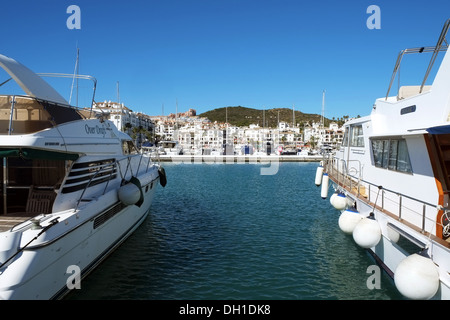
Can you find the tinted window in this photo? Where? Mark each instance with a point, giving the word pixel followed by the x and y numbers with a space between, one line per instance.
pixel 391 154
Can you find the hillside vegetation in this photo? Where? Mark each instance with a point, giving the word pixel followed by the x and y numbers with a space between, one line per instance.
pixel 242 116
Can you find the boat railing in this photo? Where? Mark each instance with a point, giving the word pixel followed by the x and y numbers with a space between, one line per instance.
pixel 347 173
pixel 112 165
pixel 129 168
pixel 420 213
pixel 24 114
pixel 75 76
pixel 441 45
pixel 153 153
pixel 98 172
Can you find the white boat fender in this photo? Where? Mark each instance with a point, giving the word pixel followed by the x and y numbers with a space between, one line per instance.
pixel 162 176
pixel 324 190
pixel 392 234
pixel 367 232
pixel 319 173
pixel 334 195
pixel 131 192
pixel 348 220
pixel 339 202
pixel 417 277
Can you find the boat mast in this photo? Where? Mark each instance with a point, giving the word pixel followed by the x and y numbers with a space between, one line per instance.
pixel 118 94
pixel 176 114
pixel 293 117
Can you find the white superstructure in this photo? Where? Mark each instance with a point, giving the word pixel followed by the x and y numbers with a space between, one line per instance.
pixel 392 181
pixel 73 188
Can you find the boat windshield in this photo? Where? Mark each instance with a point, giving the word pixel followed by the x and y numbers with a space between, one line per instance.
pixel 31 115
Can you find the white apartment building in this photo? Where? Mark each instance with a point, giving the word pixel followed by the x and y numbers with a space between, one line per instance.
pixel 331 136
pixel 125 119
pixel 216 136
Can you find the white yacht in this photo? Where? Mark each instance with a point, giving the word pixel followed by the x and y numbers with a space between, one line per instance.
pixel 392 179
pixel 170 148
pixel 73 189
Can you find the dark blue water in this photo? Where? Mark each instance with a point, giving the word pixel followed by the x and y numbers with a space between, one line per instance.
pixel 224 231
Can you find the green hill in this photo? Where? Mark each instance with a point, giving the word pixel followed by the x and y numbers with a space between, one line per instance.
pixel 242 116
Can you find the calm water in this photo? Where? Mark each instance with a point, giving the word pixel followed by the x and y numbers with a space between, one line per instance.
pixel 223 231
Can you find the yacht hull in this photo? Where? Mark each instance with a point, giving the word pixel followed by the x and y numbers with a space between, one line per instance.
pixel 51 270
pixel 399 241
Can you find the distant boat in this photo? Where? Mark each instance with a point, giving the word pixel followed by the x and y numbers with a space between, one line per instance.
pixel 171 148
pixel 247 149
pixel 392 181
pixel 73 187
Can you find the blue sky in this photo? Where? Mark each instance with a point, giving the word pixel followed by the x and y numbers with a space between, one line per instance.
pixel 208 54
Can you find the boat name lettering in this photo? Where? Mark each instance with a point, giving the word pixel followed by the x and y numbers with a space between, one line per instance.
pixel 95 130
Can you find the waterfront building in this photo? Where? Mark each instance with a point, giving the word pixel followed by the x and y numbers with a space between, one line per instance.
pixel 322 137
pixel 137 124
pixel 195 134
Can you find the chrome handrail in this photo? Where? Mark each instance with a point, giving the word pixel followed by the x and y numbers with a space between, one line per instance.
pixel 78 76
pixel 400 195
pixel 435 49
pixel 112 165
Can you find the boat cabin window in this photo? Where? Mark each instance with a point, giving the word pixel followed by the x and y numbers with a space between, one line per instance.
pixel 128 147
pixel 345 138
pixel 391 154
pixel 356 136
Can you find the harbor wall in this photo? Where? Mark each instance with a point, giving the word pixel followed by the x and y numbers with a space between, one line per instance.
pixel 236 158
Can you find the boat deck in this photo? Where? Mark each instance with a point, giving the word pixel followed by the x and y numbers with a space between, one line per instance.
pixel 10 220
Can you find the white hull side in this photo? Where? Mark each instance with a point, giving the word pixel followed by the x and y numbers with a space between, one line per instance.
pixel 45 268
pixel 389 254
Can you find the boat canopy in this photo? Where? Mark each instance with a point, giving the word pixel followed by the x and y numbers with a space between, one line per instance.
pixel 443 129
pixel 31 115
pixel 30 153
pixel 31 83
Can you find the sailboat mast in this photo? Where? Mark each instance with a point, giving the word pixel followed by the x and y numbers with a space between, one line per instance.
pixel 118 94
pixel 323 109
pixel 293 116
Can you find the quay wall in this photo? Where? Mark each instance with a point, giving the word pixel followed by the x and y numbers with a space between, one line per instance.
pixel 236 158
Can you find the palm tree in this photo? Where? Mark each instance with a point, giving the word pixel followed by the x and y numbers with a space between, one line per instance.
pixel 313 142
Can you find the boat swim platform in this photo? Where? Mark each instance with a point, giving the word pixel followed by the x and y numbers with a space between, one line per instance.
pixel 237 158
